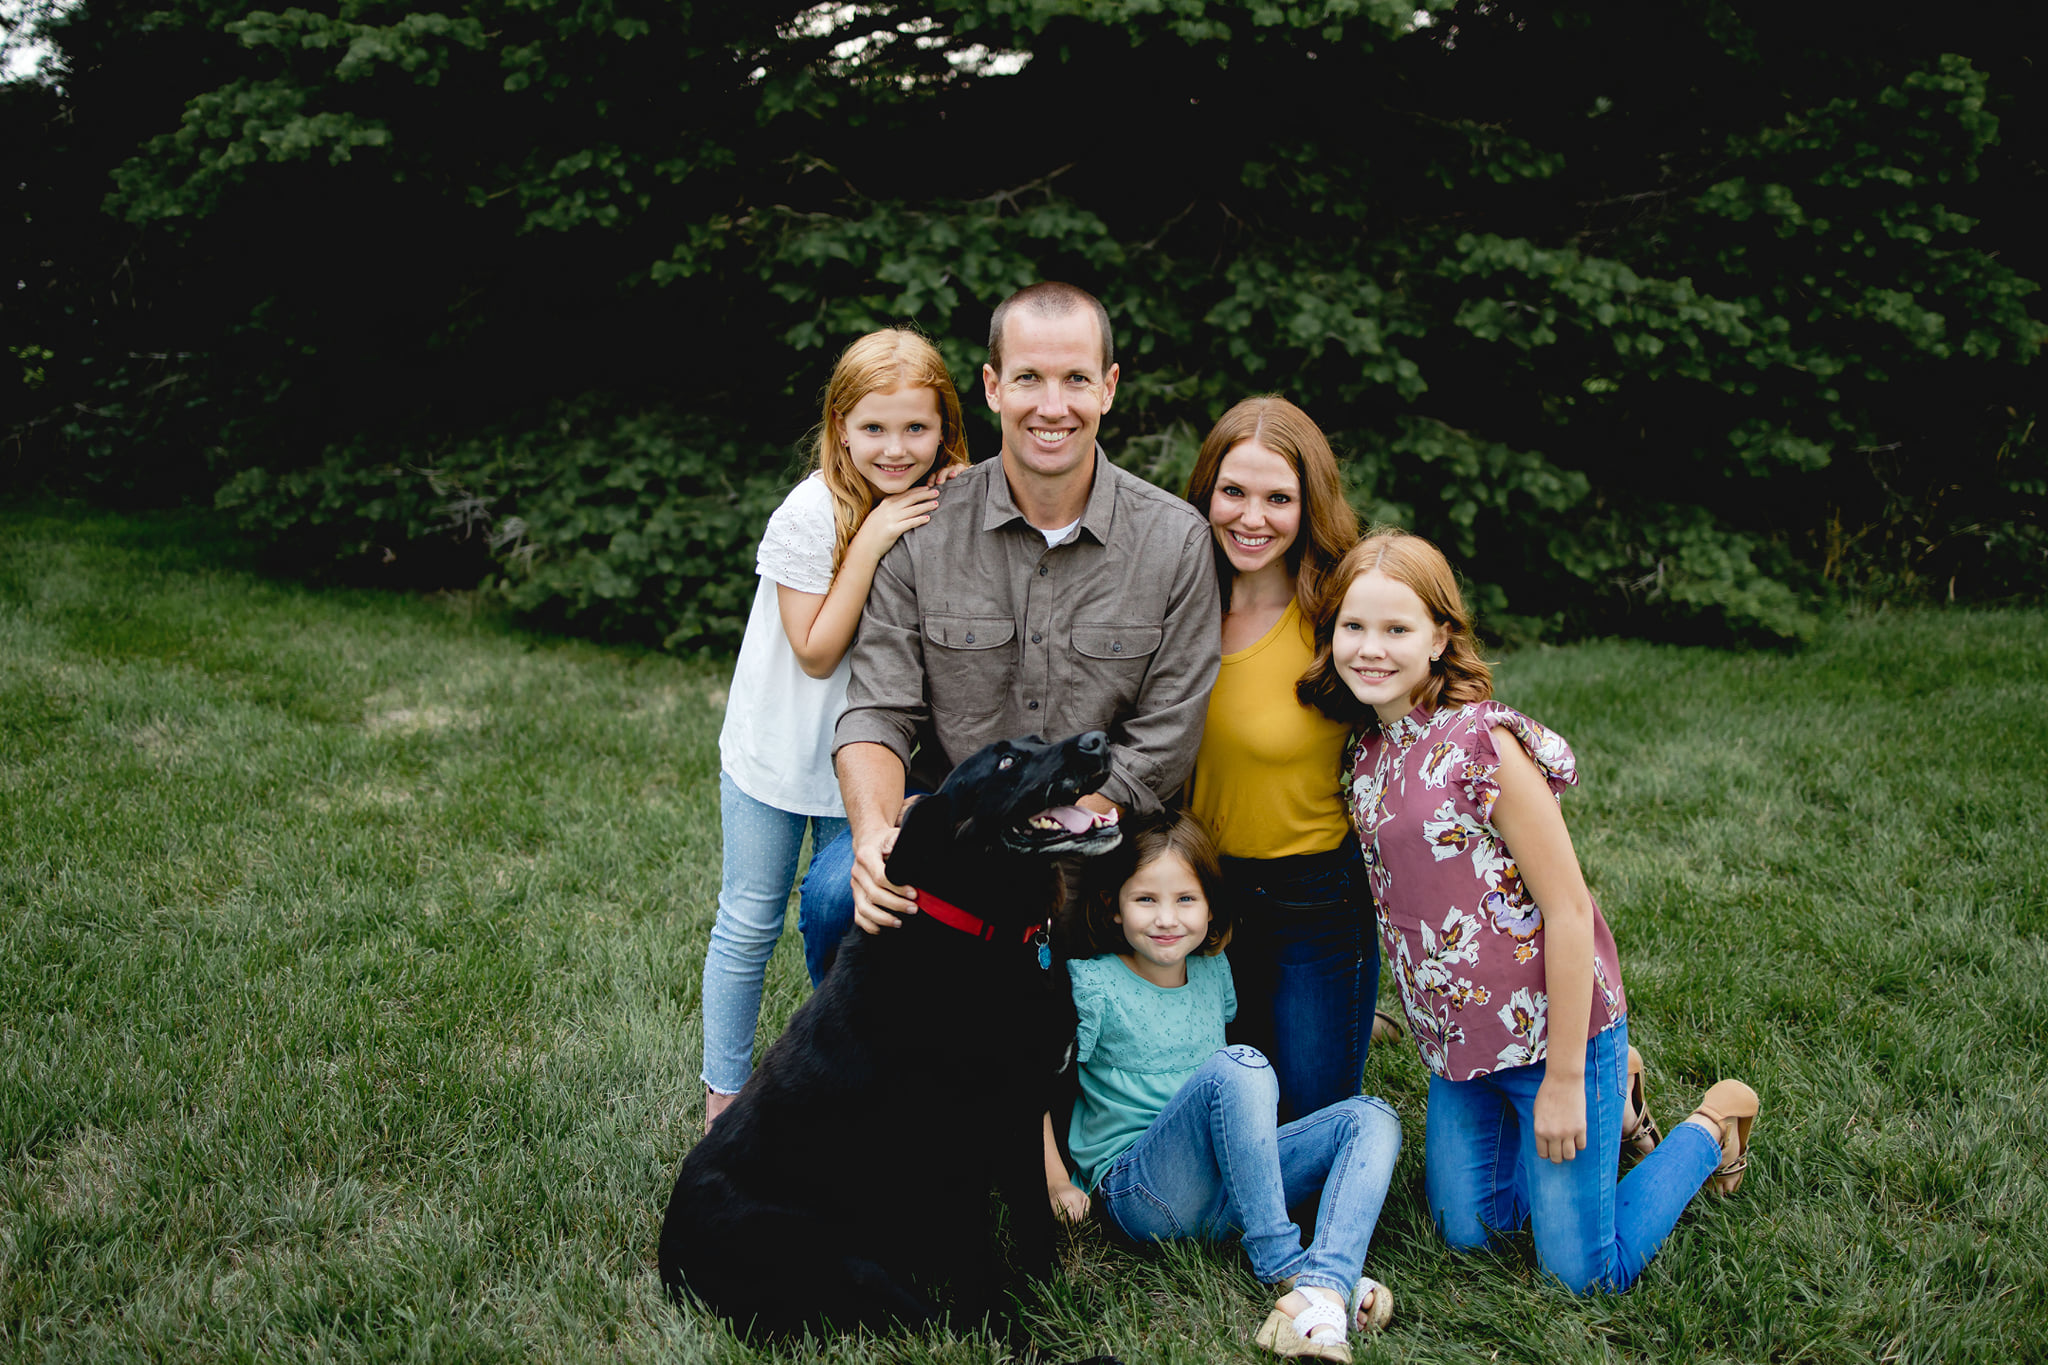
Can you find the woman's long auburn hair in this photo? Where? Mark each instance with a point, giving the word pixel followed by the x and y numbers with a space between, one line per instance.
pixel 1458 676
pixel 1328 526
pixel 880 362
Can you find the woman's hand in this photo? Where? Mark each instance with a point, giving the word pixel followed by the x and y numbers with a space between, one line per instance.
pixel 894 515
pixel 1560 1117
pixel 1069 1204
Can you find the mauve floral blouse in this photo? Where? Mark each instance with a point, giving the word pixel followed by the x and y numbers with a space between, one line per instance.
pixel 1464 935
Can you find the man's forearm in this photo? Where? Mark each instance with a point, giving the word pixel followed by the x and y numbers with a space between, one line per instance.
pixel 871 786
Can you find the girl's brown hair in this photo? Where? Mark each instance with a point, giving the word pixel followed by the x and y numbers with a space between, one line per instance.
pixel 1328 525
pixel 1145 843
pixel 880 362
pixel 1457 676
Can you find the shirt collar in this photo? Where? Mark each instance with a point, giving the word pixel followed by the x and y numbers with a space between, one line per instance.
pixel 1000 509
pixel 1410 727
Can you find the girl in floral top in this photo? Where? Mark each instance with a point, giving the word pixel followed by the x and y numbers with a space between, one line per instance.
pixel 1496 944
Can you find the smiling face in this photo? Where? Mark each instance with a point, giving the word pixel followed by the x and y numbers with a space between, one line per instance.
pixel 1255 510
pixel 1165 916
pixel 1051 394
pixel 1382 644
pixel 893 436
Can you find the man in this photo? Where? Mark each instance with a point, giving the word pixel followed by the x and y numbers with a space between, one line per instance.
pixel 1051 593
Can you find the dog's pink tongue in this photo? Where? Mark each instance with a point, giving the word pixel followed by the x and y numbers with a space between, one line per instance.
pixel 1072 819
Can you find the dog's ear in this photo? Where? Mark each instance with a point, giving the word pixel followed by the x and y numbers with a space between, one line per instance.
pixel 926 829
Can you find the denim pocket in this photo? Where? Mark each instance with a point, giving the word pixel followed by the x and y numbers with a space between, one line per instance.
pixel 1141 1215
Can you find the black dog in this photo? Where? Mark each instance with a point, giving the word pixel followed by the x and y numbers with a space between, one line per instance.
pixel 852 1178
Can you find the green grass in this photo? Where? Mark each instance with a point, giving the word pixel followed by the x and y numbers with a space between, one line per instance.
pixel 349 952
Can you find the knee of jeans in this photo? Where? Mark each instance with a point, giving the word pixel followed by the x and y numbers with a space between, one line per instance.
pixel 737 932
pixel 1461 1229
pixel 827 908
pixel 1245 1069
pixel 1375 1116
pixel 1576 1276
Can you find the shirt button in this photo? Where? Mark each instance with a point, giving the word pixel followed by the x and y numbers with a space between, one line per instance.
pixel 970 637
pixel 1115 648
pixel 1036 637
pixel 1031 706
pixel 1041 571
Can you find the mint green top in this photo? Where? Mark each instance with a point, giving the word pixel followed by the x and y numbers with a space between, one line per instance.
pixel 1137 1045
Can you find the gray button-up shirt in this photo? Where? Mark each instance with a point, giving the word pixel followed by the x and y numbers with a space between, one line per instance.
pixel 978 631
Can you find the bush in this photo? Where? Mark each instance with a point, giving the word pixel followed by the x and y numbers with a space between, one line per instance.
pixel 638 527
pixel 1689 347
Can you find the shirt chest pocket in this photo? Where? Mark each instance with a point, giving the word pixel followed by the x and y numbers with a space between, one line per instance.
pixel 968 663
pixel 1110 659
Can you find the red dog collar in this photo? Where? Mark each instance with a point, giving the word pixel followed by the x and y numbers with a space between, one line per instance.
pixel 953 917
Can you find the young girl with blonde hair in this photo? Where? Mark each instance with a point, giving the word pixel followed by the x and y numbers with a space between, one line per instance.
pixel 1513 993
pixel 890 435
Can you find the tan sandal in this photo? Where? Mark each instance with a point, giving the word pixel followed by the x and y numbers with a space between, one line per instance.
pixel 1372 1305
pixel 1386 1028
pixel 1639 1133
pixel 1731 1106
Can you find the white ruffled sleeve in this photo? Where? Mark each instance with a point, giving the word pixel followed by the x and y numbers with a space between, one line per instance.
pixel 796 549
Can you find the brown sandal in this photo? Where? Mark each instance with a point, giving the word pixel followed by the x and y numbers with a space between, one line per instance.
pixel 1731 1106
pixel 1639 1133
pixel 1385 1028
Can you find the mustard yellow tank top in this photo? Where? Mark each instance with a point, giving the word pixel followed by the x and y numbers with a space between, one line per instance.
pixel 1266 775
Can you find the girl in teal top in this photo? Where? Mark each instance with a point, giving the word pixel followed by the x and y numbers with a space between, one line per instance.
pixel 1176 1133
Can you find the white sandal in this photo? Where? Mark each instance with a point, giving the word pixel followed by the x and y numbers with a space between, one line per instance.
pixel 1290 1339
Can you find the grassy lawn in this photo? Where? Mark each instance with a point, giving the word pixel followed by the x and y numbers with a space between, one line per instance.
pixel 349 951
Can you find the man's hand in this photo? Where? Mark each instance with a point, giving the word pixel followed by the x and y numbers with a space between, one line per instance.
pixel 1560 1117
pixel 1098 803
pixel 877 901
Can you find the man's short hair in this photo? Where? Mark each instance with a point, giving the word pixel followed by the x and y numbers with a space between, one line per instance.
pixel 1048 298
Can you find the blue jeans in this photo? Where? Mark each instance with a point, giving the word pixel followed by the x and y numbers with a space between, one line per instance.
pixel 1214 1163
pixel 826 912
pixel 762 845
pixel 1306 962
pixel 824 918
pixel 1483 1175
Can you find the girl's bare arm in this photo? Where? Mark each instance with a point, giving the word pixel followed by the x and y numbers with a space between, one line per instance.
pixel 1528 818
pixel 820 626
pixel 1069 1200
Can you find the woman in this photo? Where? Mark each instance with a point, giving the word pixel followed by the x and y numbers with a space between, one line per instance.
pixel 1266 779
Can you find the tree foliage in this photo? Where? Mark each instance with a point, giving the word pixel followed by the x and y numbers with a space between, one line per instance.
pixel 1668 318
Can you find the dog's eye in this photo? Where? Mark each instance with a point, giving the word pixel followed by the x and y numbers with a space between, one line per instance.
pixel 1005 761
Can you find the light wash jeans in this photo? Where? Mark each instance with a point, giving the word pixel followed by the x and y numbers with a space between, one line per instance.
pixel 762 845
pixel 1213 1163
pixel 1484 1177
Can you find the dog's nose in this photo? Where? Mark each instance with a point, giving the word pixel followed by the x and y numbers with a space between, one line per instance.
pixel 1094 742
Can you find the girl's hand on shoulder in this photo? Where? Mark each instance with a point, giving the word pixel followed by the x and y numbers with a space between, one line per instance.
pixel 945 474
pixel 894 515
pixel 1560 1117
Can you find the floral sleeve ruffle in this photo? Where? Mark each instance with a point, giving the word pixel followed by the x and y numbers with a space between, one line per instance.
pixel 1480 774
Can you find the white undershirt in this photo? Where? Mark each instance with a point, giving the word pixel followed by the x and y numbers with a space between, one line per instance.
pixel 1053 538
